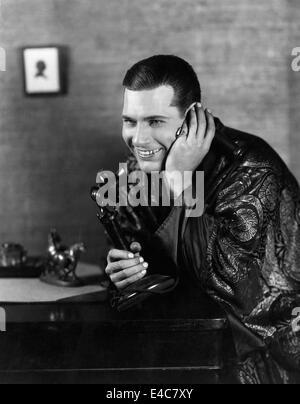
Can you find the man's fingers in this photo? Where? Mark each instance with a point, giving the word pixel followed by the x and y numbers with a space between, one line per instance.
pixel 116 255
pixel 202 124
pixel 210 131
pixel 132 279
pixel 128 273
pixel 193 126
pixel 123 264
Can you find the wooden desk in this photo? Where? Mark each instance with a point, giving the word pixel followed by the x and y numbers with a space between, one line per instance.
pixel 32 290
pixel 176 338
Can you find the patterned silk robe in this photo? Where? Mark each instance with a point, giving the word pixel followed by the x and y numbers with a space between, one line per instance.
pixel 244 251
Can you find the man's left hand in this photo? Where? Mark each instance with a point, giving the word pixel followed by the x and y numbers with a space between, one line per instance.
pixel 189 150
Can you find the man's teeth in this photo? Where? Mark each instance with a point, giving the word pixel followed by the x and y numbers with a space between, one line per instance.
pixel 148 152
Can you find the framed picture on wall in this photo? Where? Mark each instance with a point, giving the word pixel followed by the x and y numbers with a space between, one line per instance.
pixel 44 70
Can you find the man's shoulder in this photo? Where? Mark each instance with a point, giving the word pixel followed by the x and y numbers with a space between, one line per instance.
pixel 258 152
pixel 260 167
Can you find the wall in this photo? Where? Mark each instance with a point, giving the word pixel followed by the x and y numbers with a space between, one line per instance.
pixel 51 148
pixel 294 90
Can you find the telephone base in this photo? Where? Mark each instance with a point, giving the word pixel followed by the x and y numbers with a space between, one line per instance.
pixel 142 290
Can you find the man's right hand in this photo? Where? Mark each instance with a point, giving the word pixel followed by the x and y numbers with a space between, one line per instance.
pixel 124 267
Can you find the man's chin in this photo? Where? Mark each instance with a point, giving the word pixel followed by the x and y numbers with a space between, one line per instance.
pixel 149 166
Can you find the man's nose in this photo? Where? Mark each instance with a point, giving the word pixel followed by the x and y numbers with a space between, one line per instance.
pixel 141 138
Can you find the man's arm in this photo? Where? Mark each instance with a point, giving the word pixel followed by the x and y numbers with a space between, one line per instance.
pixel 250 272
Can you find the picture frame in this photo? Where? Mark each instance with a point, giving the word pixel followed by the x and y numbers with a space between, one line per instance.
pixel 44 70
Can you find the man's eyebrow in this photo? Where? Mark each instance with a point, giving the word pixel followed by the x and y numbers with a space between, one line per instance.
pixel 147 118
pixel 153 117
pixel 127 117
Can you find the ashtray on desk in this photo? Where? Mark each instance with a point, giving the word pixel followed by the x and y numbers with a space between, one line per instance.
pixel 31 268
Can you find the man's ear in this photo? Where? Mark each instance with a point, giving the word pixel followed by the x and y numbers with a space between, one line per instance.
pixel 186 123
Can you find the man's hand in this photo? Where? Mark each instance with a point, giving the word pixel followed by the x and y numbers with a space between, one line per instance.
pixel 189 150
pixel 124 267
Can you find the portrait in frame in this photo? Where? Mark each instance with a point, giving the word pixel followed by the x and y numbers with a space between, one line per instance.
pixel 44 70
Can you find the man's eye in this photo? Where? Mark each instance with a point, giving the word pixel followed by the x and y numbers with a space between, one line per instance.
pixel 129 123
pixel 156 123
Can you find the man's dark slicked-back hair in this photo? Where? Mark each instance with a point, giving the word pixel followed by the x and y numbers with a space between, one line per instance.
pixel 167 70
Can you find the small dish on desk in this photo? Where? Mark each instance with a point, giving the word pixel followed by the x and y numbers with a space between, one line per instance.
pixel 14 262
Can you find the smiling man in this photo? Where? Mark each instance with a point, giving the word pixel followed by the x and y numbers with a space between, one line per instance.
pixel 244 250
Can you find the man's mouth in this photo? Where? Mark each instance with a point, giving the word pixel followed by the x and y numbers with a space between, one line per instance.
pixel 146 154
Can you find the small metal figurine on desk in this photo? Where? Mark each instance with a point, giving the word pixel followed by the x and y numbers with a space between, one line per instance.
pixel 61 262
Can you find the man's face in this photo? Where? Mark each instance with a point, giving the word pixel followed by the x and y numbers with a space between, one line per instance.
pixel 150 124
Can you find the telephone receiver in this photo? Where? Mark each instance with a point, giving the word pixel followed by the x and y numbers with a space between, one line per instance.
pixel 221 143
